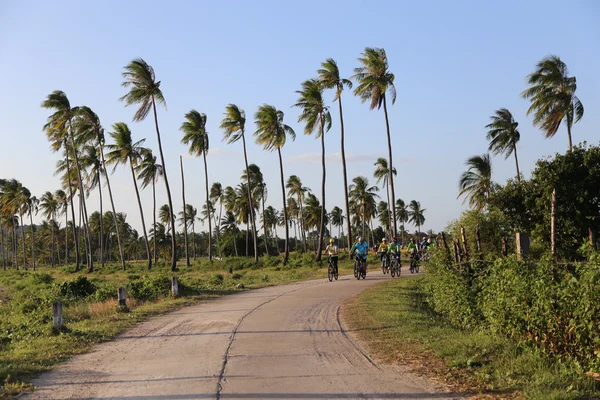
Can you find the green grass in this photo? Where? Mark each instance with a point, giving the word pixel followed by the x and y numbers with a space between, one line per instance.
pixel 29 345
pixel 395 322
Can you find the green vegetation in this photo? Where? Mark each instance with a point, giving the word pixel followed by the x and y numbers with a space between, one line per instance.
pixel 399 325
pixel 29 345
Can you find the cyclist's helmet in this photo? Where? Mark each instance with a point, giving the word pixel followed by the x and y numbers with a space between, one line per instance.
pixel 360 239
pixel 331 240
pixel 384 240
pixel 395 240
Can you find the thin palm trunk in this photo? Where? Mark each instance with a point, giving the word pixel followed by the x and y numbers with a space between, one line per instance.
pixel 569 133
pixel 264 224
pixel 517 162
pixel 247 231
pixel 218 226
pixel 2 247
pixel 302 227
pixel 75 235
pixel 250 199
pixel 209 208
pixel 137 193
pixel 194 239
pixel 14 244
pixel 112 204
pixel 52 241
pixel 162 159
pixel 32 240
pixel 344 169
pixel 322 225
pixel 101 249
pixel 185 228
pixel 235 244
pixel 154 219
pixel 67 236
pixel 285 214
pixel 23 240
pixel 391 174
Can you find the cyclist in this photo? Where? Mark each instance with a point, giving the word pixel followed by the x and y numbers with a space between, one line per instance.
pixel 394 248
pixel 361 247
pixel 334 252
pixel 383 250
pixel 412 246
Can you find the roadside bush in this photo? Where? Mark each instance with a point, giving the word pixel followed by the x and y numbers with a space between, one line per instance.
pixel 78 288
pixel 216 279
pixel 41 278
pixel 149 288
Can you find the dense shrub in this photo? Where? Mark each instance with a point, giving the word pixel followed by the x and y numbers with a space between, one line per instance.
pixel 149 288
pixel 78 288
pixel 216 279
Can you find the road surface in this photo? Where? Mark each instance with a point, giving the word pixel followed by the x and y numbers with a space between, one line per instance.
pixel 284 342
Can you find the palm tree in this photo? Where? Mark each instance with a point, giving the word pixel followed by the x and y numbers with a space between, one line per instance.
pixel 196 136
pixel 476 182
pixel 229 224
pixel 31 207
pixel 382 174
pixel 337 219
pixel 416 214
pixel 63 208
pixel 362 197
pixel 254 179
pixel 148 171
pixel 185 223
pixel 402 213
pixel 188 219
pixel 165 217
pixel 49 206
pixel 234 124
pixel 383 212
pixel 92 167
pixel 59 131
pixel 88 126
pixel 124 151
pixel 552 96
pixel 216 196
pixel 329 76
pixel 315 114
pixel 504 136
pixel 272 134
pixel 145 91
pixel 294 185
pixel 374 81
pixel 14 198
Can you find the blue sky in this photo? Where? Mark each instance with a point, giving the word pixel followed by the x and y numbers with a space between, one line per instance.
pixel 454 62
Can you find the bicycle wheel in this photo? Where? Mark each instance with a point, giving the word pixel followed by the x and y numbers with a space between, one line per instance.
pixel 393 272
pixel 330 273
pixel 356 269
pixel 417 268
pixel 335 275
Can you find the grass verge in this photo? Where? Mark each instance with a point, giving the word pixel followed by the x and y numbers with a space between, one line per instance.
pixel 29 345
pixel 398 327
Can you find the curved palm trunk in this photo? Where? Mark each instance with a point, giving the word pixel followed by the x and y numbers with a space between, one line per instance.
pixel 75 235
pixel 250 199
pixel 185 228
pixel 569 124
pixel 112 204
pixel 67 236
pixel 23 240
pixel 162 160
pixel 52 240
pixel 302 226
pixel 391 175
pixel 322 224
pixel 194 239
pixel 285 214
pixel 32 239
pixel 517 163
pixel 209 209
pixel 137 193
pixel 154 217
pixel 344 171
pixel 218 226
pixel 101 249
pixel 265 225
pixel 247 233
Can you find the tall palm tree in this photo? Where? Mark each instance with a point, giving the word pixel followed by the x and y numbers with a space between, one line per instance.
pixel 145 91
pixel 254 179
pixel 185 223
pixel 374 80
pixel 229 223
pixel 216 197
pixel 329 76
pixel 125 151
pixel 89 127
pixel 476 182
pixel 59 130
pixel 337 219
pixel 295 187
pixel 233 125
pixel 148 172
pixel 382 174
pixel 93 169
pixel 196 136
pixel 383 212
pixel 552 96
pixel 165 217
pixel 315 114
pixel 402 213
pixel 49 206
pixel 63 209
pixel 362 198
pixel 416 214
pixel 14 198
pixel 187 218
pixel 272 134
pixel 32 207
pixel 504 136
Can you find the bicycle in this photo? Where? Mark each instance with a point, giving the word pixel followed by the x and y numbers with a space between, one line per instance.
pixel 385 264
pixel 395 269
pixel 332 272
pixel 414 263
pixel 360 267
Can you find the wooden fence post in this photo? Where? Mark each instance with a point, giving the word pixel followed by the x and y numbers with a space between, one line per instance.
pixel 57 318
pixel 174 286
pixel 122 298
pixel 553 223
pixel 504 247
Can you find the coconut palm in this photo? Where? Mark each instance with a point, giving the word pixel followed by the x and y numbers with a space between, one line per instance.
pixel 402 213
pixel 187 218
pixel 295 188
pixel 374 81
pixel 148 172
pixel 234 125
pixel 382 174
pixel 362 200
pixel 32 207
pixel 49 206
pixel 145 91
pixel 125 151
pixel 196 136
pixel 272 134
pixel 89 128
pixel 337 219
pixel 317 118
pixel 93 169
pixel 383 213
pixel 329 76
pixel 476 182
pixel 63 209
pixel 59 130
pixel 14 198
pixel 165 217
pixel 229 224
pixel 184 216
pixel 504 136
pixel 416 214
pixel 552 96
pixel 216 196
pixel 254 179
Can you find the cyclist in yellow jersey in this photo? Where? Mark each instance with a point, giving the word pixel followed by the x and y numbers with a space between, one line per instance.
pixel 334 253
pixel 383 250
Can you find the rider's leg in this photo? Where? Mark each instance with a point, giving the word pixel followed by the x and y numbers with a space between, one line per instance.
pixel 335 264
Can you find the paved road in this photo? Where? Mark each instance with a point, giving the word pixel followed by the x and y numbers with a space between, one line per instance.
pixel 285 342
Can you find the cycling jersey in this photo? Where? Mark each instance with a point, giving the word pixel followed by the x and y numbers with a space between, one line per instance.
pixel 361 248
pixel 412 247
pixel 394 248
pixel 332 250
pixel 383 247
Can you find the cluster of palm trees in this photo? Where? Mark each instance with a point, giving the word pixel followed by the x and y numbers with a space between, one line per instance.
pixel 551 93
pixel 87 160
